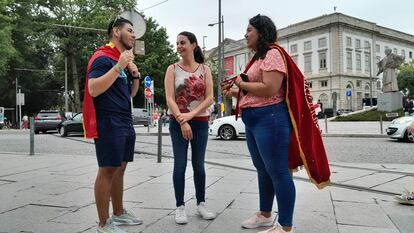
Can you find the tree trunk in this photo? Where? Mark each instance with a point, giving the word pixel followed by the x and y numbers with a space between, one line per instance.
pixel 75 79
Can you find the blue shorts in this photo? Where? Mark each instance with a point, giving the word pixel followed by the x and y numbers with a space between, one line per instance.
pixel 111 151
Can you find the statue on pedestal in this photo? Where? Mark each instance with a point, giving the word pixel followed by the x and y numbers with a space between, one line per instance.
pixel 388 65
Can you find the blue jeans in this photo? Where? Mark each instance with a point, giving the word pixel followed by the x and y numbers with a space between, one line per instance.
pixel 198 151
pixel 268 132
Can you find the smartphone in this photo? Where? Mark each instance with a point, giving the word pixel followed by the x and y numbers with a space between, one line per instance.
pixel 245 78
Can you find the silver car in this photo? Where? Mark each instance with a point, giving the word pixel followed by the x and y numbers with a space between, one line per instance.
pixel 398 128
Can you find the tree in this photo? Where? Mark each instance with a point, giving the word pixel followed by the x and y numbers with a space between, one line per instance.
pixel 406 78
pixel 73 42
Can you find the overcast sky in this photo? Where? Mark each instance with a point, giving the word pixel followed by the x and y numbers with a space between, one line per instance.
pixel 195 15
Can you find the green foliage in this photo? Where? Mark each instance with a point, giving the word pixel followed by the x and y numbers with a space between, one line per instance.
pixel 372 115
pixel 406 78
pixel 32 39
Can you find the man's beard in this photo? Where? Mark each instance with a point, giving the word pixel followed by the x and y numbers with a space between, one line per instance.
pixel 125 44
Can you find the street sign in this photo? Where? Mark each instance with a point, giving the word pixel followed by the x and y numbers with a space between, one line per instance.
pixel 148 93
pixel 220 100
pixel 147 81
pixel 348 93
pixel 152 87
pixel 20 99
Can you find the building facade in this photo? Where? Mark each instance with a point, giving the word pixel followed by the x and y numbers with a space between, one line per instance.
pixel 335 53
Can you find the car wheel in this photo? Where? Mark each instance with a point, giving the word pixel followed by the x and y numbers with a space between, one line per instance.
pixel 227 132
pixel 36 131
pixel 63 132
pixel 409 137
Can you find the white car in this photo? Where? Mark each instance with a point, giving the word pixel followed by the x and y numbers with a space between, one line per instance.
pixel 398 128
pixel 227 128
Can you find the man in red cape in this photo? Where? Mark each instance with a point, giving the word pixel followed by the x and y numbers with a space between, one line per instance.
pixel 111 80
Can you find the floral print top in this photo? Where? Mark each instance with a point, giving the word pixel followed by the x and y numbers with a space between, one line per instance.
pixel 190 88
pixel 272 62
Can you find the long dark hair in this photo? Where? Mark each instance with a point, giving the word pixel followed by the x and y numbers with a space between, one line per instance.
pixel 198 53
pixel 267 34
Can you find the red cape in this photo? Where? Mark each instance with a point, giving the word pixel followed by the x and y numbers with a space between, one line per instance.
pixel 306 146
pixel 89 115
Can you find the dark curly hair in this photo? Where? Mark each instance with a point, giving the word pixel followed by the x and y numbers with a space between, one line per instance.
pixel 267 34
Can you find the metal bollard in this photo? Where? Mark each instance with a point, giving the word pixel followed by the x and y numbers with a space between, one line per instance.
pixel 326 124
pixel 159 153
pixel 31 120
pixel 148 125
pixel 381 123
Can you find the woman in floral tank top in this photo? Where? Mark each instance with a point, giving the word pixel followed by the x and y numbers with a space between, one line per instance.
pixel 268 126
pixel 189 94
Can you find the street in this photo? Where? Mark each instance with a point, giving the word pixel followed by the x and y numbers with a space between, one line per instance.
pixel 339 149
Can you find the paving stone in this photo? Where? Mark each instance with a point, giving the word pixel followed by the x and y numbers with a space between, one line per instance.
pixel 373 179
pixel 362 229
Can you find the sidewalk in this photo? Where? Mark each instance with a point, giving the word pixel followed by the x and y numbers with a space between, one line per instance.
pixel 54 193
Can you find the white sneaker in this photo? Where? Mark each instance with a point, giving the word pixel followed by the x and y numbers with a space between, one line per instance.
pixel 180 215
pixel 204 212
pixel 109 227
pixel 257 220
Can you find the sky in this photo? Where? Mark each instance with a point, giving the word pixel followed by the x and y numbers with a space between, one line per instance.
pixel 195 15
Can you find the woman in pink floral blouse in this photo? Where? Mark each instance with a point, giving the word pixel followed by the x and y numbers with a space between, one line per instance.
pixel 189 94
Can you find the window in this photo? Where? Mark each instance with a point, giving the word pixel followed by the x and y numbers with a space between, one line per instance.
pixel 294 48
pixel 403 52
pixel 367 45
pixel 322 60
pixel 378 84
pixel 310 84
pixel 307 45
pixel 395 51
pixel 349 60
pixel 358 61
pixel 377 59
pixel 348 42
pixel 358 83
pixel 308 63
pixel 367 62
pixel 410 54
pixel 324 83
pixel 357 43
pixel 322 42
pixel 378 48
pixel 295 59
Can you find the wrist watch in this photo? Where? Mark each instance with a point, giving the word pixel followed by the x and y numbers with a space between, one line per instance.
pixel 138 77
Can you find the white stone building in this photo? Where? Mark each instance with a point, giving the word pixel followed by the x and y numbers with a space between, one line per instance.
pixel 334 53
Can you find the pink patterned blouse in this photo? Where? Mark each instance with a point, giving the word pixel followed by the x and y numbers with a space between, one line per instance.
pixel 272 62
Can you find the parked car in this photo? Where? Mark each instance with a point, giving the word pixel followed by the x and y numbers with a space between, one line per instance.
pixel 140 116
pixel 227 128
pixel 398 128
pixel 72 125
pixel 47 120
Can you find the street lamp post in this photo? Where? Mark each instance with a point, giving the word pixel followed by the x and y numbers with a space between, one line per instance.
pixel 220 57
pixel 204 44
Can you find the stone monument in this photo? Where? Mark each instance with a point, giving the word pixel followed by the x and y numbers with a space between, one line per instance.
pixel 391 99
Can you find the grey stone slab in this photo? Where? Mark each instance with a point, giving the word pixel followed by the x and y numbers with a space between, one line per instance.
pixel 77 198
pixel 348 195
pixel 149 217
pixel 340 175
pixel 362 229
pixel 373 180
pixel 361 214
pixel 167 225
pixel 397 186
pixel 149 194
pixel 12 199
pixel 314 222
pixel 401 215
pixel 32 219
pixel 308 197
pixel 246 201
pixel 230 221
pixel 85 216
pixel 54 188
